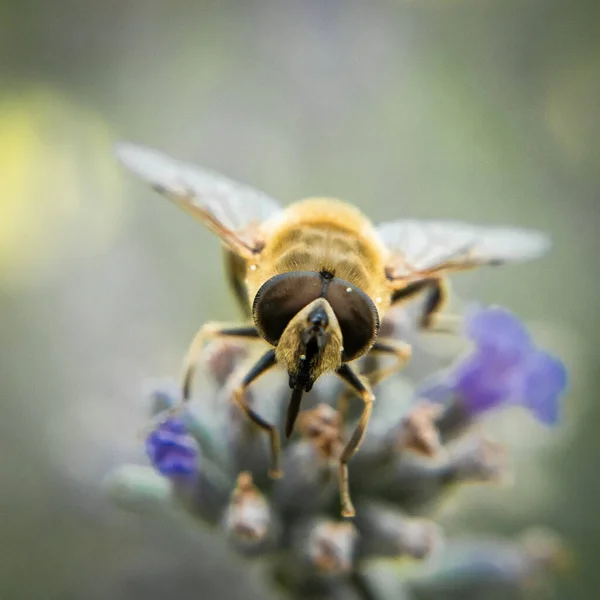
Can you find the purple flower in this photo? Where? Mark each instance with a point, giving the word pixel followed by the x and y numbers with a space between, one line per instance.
pixel 172 450
pixel 505 367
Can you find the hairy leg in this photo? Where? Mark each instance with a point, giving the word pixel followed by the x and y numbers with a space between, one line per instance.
pixel 436 293
pixel 362 388
pixel 264 363
pixel 206 332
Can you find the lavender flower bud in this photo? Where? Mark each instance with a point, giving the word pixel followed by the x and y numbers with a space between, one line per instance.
pixel 487 568
pixel 475 459
pixel 172 450
pixel 319 559
pixel 138 488
pixel 322 425
pixel 329 547
pixel 416 483
pixel 203 425
pixel 454 419
pixel 248 516
pixel 415 433
pixel 418 431
pixel 545 550
pixel 383 531
pixel 310 483
pixel 221 357
pixel 204 495
pixel 310 465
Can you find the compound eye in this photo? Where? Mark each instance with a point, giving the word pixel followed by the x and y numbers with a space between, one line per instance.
pixel 281 298
pixel 357 316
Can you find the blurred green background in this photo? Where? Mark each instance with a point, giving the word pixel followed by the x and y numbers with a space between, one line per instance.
pixel 485 110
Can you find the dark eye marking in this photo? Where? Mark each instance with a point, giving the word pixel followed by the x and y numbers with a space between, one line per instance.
pixel 357 316
pixel 282 297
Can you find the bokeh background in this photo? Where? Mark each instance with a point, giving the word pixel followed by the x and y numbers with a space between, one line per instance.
pixel 485 110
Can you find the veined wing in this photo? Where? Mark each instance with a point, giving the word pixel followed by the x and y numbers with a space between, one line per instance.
pixel 419 249
pixel 231 210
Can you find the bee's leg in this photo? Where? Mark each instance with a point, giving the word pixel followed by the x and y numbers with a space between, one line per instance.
pixel 401 351
pixel 235 268
pixel 364 391
pixel 342 407
pixel 206 332
pixel 261 366
pixel 436 296
pixel 410 291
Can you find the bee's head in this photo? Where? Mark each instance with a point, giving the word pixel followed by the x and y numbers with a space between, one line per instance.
pixel 311 344
pixel 316 321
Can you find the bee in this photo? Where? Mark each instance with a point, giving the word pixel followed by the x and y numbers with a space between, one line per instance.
pixel 315 279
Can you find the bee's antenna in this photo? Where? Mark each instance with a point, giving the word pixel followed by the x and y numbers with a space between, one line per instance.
pixel 293 409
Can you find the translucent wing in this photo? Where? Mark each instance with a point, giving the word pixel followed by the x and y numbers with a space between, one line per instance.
pixel 419 249
pixel 231 210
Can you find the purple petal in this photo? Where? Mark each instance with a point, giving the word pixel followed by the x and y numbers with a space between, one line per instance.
pixel 544 383
pixel 505 367
pixel 171 449
pixel 483 383
pixel 498 330
pixel 177 465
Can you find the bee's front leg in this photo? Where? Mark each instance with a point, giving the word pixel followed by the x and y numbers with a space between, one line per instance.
pixel 397 349
pixel 206 332
pixel 264 363
pixel 364 391
pixel 401 351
